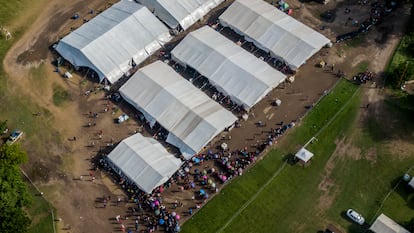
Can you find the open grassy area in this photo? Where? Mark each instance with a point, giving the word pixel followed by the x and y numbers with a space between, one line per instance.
pixel 18 109
pixel 401 66
pixel 362 66
pixel 217 212
pixel 358 175
pixel 60 95
pixel 40 213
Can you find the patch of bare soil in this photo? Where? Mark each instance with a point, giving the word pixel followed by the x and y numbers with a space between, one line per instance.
pixel 371 155
pixel 401 148
pixel 344 148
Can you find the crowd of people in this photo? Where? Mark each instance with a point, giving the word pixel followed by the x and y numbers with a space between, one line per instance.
pixel 363 77
pixel 197 175
pixel 377 12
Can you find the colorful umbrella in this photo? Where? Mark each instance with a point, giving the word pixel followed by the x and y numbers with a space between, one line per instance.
pixel 161 221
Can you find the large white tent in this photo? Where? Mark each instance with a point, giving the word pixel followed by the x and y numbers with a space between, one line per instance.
pixel 113 41
pixel 230 68
pixel 273 31
pixel 190 116
pixel 180 12
pixel 144 161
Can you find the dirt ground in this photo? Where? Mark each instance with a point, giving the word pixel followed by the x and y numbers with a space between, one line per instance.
pixel 76 199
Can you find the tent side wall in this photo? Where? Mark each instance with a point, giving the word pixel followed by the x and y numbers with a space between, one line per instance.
pixel 160 12
pixel 75 57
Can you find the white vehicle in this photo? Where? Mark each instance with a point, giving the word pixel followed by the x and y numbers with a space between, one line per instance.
pixel 355 216
pixel 122 118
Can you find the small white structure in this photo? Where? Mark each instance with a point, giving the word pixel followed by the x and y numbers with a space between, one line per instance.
pixel 145 161
pixel 8 35
pixel 67 75
pixel 304 155
pixel 383 224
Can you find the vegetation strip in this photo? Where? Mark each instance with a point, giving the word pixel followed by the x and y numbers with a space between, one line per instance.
pixel 241 189
pixel 283 166
pixel 253 197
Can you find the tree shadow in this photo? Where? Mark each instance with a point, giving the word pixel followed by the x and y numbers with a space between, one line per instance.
pixel 290 159
pixel 404 191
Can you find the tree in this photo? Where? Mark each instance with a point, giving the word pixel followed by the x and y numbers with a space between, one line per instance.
pixel 3 126
pixel 13 190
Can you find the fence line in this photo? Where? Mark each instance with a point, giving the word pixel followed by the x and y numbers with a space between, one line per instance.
pixel 388 194
pixel 41 194
pixel 285 163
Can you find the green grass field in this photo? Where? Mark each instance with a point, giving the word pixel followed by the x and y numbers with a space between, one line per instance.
pixel 18 109
pixel 293 201
pixel 40 214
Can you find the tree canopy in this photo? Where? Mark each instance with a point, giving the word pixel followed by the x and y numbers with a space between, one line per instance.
pixel 13 190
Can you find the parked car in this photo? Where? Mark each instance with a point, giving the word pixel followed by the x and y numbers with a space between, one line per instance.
pixel 14 136
pixel 355 216
pixel 122 118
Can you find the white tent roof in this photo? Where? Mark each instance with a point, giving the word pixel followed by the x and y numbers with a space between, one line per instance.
pixel 273 31
pixel 384 224
pixel 304 155
pixel 233 70
pixel 180 12
pixel 145 161
pixel 109 42
pixel 190 116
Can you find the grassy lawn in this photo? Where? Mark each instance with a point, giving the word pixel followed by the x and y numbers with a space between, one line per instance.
pixel 18 109
pixel 40 213
pixel 362 66
pixel 401 66
pixel 217 212
pixel 294 201
pixel 15 107
pixel 60 95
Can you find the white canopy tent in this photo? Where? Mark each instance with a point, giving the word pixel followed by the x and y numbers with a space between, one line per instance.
pixel 190 116
pixel 113 41
pixel 230 68
pixel 384 224
pixel 180 12
pixel 144 161
pixel 304 155
pixel 273 31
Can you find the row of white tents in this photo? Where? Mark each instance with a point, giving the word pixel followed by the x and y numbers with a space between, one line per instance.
pixel 191 117
pixel 127 33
